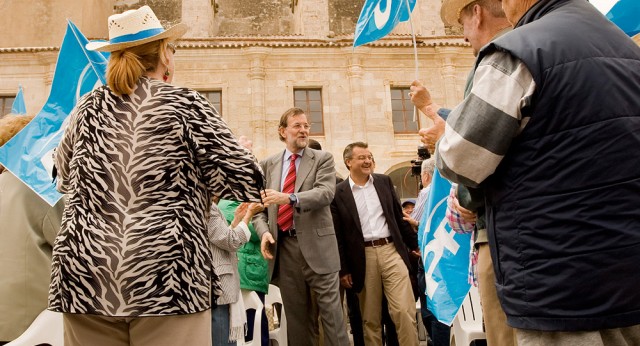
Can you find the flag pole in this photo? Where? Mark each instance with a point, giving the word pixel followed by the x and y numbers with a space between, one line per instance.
pixel 415 53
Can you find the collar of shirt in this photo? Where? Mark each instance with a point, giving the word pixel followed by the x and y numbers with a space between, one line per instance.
pixel 286 162
pixel 352 183
pixel 287 154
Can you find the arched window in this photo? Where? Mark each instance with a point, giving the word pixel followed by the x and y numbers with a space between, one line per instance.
pixel 406 185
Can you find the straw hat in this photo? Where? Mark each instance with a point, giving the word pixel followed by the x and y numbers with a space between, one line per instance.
pixel 135 27
pixel 450 11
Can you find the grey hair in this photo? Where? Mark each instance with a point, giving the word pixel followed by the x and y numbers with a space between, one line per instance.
pixel 428 166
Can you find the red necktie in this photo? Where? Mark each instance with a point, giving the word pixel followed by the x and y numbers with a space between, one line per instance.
pixel 285 211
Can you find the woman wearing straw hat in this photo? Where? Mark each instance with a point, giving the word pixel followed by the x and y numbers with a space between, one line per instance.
pixel 139 162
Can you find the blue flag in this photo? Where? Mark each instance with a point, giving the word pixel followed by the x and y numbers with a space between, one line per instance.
pixel 18 106
pixel 445 255
pixel 623 13
pixel 29 154
pixel 626 15
pixel 379 17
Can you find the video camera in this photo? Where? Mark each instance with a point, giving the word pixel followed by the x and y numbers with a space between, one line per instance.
pixel 416 165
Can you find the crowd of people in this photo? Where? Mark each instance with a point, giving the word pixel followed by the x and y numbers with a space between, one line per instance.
pixel 167 216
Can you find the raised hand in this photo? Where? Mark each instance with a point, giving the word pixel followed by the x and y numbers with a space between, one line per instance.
pixel 421 98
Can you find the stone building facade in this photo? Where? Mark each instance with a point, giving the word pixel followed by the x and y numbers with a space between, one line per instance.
pixel 253 57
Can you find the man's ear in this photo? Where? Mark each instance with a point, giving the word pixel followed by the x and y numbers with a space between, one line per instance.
pixel 478 12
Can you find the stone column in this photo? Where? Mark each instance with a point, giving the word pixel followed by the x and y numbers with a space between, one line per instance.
pixel 257 74
pixel 356 73
pixel 448 55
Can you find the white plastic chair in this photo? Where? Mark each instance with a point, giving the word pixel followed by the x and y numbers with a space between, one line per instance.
pixel 279 334
pixel 45 329
pixel 252 301
pixel 467 326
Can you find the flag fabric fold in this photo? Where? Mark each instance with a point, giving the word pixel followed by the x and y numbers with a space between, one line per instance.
pixel 29 154
pixel 626 15
pixel 445 255
pixel 379 17
pixel 18 106
pixel 623 13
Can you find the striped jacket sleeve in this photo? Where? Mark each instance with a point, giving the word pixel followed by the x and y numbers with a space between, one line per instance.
pixel 222 236
pixel 479 131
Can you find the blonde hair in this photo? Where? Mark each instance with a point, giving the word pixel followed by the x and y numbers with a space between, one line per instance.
pixel 10 125
pixel 126 66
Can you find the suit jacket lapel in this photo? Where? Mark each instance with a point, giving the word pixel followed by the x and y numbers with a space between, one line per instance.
pixel 382 195
pixel 276 173
pixel 306 163
pixel 274 183
pixel 350 203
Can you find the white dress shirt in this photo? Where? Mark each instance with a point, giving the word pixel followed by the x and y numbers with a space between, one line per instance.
pixel 372 220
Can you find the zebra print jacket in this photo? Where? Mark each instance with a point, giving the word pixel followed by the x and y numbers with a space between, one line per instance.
pixel 139 171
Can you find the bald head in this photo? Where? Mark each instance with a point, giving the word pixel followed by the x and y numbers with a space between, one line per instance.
pixel 481 21
pixel 515 9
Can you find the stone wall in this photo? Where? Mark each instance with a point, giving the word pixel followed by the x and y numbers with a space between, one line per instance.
pixel 256 17
pixel 257 52
pixel 169 12
pixel 257 85
pixel 42 23
pixel 343 15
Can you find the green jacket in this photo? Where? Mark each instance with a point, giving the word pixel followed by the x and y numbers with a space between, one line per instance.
pixel 253 268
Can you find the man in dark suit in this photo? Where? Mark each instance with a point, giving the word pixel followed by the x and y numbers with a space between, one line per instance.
pixel 373 240
pixel 297 230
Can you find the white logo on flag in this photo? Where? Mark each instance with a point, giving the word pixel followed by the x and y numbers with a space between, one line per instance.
pixel 441 240
pixel 381 18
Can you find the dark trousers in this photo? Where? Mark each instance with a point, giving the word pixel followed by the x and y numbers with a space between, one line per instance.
pixel 439 332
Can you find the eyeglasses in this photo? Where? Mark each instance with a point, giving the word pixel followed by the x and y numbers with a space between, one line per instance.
pixel 298 127
pixel 172 47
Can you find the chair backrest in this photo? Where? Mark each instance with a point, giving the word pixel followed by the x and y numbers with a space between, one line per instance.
pixel 274 298
pixel 468 326
pixel 471 311
pixel 45 329
pixel 252 301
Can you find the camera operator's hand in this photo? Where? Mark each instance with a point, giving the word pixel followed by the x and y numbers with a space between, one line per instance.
pixel 421 98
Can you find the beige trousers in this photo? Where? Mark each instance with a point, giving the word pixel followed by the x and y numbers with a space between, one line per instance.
pixel 629 336
pixel 191 329
pixel 387 271
pixel 495 321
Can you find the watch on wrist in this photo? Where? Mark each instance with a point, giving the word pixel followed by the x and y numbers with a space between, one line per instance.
pixel 292 199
